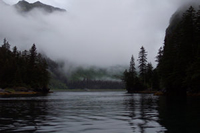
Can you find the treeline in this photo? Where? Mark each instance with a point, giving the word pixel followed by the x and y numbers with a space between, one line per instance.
pixel 95 84
pixel 23 68
pixel 82 78
pixel 94 78
pixel 179 63
pixel 178 69
pixel 145 79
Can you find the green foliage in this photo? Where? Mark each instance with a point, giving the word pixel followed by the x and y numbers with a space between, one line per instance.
pixel 81 78
pixel 26 69
pixel 93 73
pixel 57 84
pixel 94 78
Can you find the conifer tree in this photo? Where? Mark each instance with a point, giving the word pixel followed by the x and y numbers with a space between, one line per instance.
pixel 26 69
pixel 130 77
pixel 179 63
pixel 132 66
pixel 159 55
pixel 149 75
pixel 132 82
pixel 6 44
pixel 142 58
pixel 33 55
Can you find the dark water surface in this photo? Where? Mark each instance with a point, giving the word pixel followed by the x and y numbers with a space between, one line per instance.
pixel 98 112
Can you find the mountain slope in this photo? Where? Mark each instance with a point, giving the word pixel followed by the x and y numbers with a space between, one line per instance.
pixel 179 64
pixel 80 78
pixel 177 16
pixel 24 7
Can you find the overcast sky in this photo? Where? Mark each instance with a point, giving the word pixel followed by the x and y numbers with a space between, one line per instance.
pixel 92 32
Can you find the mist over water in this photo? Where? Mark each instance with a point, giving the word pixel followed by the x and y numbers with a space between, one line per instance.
pixel 91 32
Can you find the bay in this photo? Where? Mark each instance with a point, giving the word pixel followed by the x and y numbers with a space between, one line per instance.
pixel 98 112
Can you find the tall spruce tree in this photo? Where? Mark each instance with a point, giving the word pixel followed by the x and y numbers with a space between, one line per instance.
pixel 132 82
pixel 132 66
pixel 142 59
pixel 159 55
pixel 130 76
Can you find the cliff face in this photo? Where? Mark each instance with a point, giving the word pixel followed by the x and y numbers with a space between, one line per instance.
pixel 177 16
pixel 180 62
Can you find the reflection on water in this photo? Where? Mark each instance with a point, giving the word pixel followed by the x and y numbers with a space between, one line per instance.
pixel 180 117
pixel 89 112
pixel 143 113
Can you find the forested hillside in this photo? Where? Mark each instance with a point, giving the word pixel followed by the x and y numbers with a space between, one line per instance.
pixel 23 68
pixel 84 77
pixel 178 69
pixel 179 66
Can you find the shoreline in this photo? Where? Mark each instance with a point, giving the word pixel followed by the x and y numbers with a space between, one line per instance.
pixel 20 91
pixel 87 90
pixel 15 92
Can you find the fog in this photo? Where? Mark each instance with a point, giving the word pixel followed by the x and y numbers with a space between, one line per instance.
pixel 91 32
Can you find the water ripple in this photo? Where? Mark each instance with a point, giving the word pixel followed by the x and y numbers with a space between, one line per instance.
pixel 84 112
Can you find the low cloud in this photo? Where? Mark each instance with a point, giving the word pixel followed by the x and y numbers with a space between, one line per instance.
pixel 91 32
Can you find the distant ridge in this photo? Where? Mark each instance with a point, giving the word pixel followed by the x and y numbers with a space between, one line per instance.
pixel 24 6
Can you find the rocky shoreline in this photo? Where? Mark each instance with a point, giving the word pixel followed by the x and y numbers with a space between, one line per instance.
pixel 20 91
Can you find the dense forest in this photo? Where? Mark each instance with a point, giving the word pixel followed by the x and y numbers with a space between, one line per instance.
pixel 26 69
pixel 84 78
pixel 178 69
pixel 59 77
pixel 145 79
pixel 33 71
pixel 179 65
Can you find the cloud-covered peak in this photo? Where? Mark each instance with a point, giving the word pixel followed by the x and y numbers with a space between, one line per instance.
pixel 24 6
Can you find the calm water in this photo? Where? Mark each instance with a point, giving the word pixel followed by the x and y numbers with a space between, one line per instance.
pixel 98 112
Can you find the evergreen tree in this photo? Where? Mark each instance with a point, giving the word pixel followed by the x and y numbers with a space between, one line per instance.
pixel 149 75
pixel 32 80
pixel 126 80
pixel 179 63
pixel 131 75
pixel 132 67
pixel 33 55
pixel 43 74
pixel 193 71
pixel 26 69
pixel 15 52
pixel 132 82
pixel 159 56
pixel 142 58
pixel 6 44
